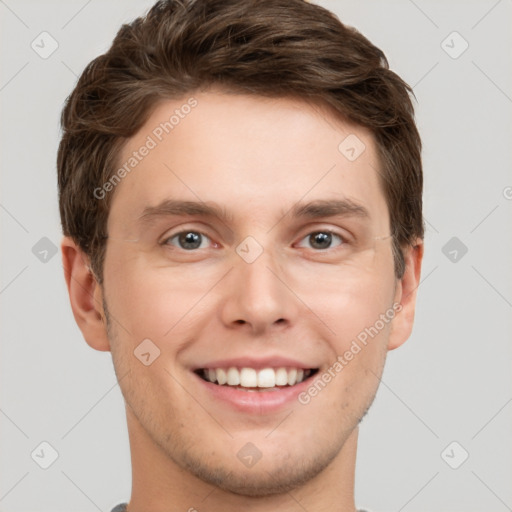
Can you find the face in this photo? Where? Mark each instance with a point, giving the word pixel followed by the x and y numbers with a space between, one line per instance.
pixel 245 245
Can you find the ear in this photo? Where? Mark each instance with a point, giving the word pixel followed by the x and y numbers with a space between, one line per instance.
pixel 405 295
pixel 85 295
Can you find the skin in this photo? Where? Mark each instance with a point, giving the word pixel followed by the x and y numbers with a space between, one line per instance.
pixel 255 157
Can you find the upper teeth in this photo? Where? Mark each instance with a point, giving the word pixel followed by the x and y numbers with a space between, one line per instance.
pixel 251 378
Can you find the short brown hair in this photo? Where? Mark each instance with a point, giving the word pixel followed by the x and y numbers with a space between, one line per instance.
pixel 273 48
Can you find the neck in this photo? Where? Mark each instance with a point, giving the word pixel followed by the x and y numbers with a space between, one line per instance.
pixel 158 483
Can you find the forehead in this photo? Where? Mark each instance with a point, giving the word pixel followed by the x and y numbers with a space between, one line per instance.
pixel 247 153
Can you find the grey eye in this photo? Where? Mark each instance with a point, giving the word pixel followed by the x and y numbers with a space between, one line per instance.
pixel 188 240
pixel 321 240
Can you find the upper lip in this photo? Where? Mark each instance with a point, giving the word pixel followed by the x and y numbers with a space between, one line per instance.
pixel 256 363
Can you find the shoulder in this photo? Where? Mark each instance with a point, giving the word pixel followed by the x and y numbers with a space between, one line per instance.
pixel 122 508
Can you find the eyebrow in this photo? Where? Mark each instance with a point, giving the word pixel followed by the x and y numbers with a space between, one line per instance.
pixel 311 210
pixel 329 208
pixel 176 207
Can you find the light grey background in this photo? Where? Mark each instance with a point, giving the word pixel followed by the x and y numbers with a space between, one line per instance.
pixel 450 382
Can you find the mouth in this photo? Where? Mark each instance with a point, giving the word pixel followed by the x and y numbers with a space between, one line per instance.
pixel 256 380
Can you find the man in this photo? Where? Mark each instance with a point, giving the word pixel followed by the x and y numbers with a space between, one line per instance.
pixel 240 192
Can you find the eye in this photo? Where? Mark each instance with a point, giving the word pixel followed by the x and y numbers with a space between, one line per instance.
pixel 188 240
pixel 322 240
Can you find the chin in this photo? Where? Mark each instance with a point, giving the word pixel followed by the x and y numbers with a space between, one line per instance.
pixel 264 478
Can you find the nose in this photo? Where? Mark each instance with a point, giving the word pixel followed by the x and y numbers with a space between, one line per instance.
pixel 257 298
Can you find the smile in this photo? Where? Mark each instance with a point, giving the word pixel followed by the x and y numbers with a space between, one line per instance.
pixel 251 379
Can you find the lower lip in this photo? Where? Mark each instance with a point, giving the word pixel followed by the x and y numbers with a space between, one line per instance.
pixel 255 402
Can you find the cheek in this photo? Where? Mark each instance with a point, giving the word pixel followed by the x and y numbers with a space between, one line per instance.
pixel 157 302
pixel 348 298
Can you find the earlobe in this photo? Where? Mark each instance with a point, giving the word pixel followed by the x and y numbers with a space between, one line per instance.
pixel 85 295
pixel 406 290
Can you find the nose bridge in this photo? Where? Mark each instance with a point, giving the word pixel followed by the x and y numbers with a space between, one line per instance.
pixel 260 274
pixel 257 294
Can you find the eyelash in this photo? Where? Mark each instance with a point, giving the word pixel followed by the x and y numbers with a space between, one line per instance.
pixel 332 233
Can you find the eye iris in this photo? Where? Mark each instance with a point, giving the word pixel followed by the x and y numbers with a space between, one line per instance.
pixel 320 240
pixel 190 240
